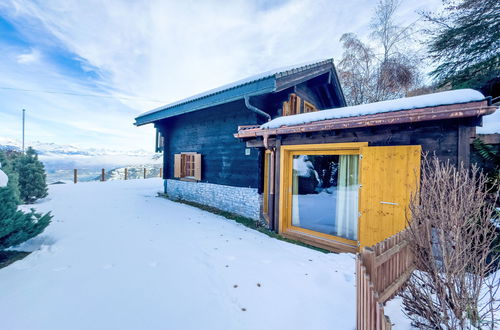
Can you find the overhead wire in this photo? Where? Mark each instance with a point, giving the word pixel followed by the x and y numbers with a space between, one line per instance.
pixel 81 94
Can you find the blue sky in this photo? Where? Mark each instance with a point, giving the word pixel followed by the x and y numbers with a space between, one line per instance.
pixel 138 55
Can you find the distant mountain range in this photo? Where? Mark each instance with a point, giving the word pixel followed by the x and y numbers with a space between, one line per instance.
pixel 44 148
pixel 60 160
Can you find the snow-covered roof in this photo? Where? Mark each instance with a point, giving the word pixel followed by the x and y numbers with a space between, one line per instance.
pixel 265 82
pixel 407 103
pixel 491 124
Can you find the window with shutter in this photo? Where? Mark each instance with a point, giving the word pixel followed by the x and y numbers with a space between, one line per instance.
pixel 294 106
pixel 187 166
pixel 159 141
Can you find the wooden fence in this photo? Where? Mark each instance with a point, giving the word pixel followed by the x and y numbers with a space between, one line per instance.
pixel 103 174
pixel 381 270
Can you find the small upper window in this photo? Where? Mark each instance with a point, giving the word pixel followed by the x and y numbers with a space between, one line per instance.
pixel 309 107
pixel 160 141
pixel 187 165
pixel 294 106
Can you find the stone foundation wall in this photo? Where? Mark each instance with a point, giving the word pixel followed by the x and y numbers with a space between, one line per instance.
pixel 239 200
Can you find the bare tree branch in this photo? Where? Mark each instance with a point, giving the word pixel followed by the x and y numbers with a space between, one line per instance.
pixel 452 238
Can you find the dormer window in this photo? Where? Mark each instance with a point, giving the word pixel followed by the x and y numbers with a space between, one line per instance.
pixel 295 105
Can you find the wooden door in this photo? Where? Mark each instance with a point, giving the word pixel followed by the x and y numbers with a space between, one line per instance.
pixel 389 177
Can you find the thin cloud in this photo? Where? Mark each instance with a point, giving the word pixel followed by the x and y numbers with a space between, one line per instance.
pixel 28 58
pixel 163 50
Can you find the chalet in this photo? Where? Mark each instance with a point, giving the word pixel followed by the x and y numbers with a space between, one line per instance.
pixel 282 147
pixel 342 178
pixel 204 163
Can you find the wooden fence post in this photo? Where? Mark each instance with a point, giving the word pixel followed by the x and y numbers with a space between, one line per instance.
pixel 144 173
pixel 102 175
pixel 381 272
pixel 75 175
pixel 126 173
pixel 161 172
pixel 368 257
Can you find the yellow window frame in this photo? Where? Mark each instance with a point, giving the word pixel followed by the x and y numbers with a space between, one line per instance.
pixel 286 164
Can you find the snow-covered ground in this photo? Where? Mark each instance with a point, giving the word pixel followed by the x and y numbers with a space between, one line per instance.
pixel 117 257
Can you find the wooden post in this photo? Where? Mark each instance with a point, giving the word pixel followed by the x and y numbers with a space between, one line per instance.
pixel 144 173
pixel 161 172
pixel 102 175
pixel 126 173
pixel 368 257
pixel 463 154
pixel 277 171
pixel 75 175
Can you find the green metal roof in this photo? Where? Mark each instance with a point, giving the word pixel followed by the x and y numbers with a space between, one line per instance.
pixel 258 84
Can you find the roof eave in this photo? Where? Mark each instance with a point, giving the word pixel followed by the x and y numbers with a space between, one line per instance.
pixel 262 86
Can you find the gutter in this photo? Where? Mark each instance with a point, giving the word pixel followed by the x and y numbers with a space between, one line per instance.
pixel 255 109
pixel 471 109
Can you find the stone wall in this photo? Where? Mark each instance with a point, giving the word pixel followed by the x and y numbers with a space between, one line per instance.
pixel 239 200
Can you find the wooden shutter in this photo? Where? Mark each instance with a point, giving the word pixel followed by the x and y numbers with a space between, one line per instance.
pixel 297 105
pixel 389 176
pixel 177 165
pixel 197 167
pixel 286 108
pixel 294 104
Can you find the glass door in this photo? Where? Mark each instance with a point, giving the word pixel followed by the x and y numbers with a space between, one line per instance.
pixel 324 193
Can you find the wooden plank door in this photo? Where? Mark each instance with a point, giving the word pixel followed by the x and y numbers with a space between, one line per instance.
pixel 389 177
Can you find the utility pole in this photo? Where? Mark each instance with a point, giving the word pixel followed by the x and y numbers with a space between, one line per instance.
pixel 23 127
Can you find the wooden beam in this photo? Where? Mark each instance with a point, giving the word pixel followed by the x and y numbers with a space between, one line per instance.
pixel 293 80
pixel 322 243
pixel 329 95
pixel 395 286
pixel 277 172
pixel 463 152
pixel 385 256
pixel 259 143
pixel 487 138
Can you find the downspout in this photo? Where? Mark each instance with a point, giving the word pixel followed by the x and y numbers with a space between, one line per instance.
pixel 255 109
pixel 266 145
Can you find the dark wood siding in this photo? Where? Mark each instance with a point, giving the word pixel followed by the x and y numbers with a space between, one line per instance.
pixel 440 137
pixel 210 133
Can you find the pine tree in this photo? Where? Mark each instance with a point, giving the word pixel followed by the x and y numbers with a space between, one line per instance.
pixel 32 177
pixel 16 226
pixel 464 43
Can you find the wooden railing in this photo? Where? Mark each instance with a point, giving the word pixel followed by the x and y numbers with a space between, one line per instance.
pixel 103 174
pixel 381 270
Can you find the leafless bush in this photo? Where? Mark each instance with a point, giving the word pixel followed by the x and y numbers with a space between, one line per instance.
pixel 451 236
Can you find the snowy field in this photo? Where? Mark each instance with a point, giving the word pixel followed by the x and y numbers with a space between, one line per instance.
pixel 117 257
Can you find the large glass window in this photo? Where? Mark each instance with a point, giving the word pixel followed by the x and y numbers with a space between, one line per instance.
pixel 325 194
